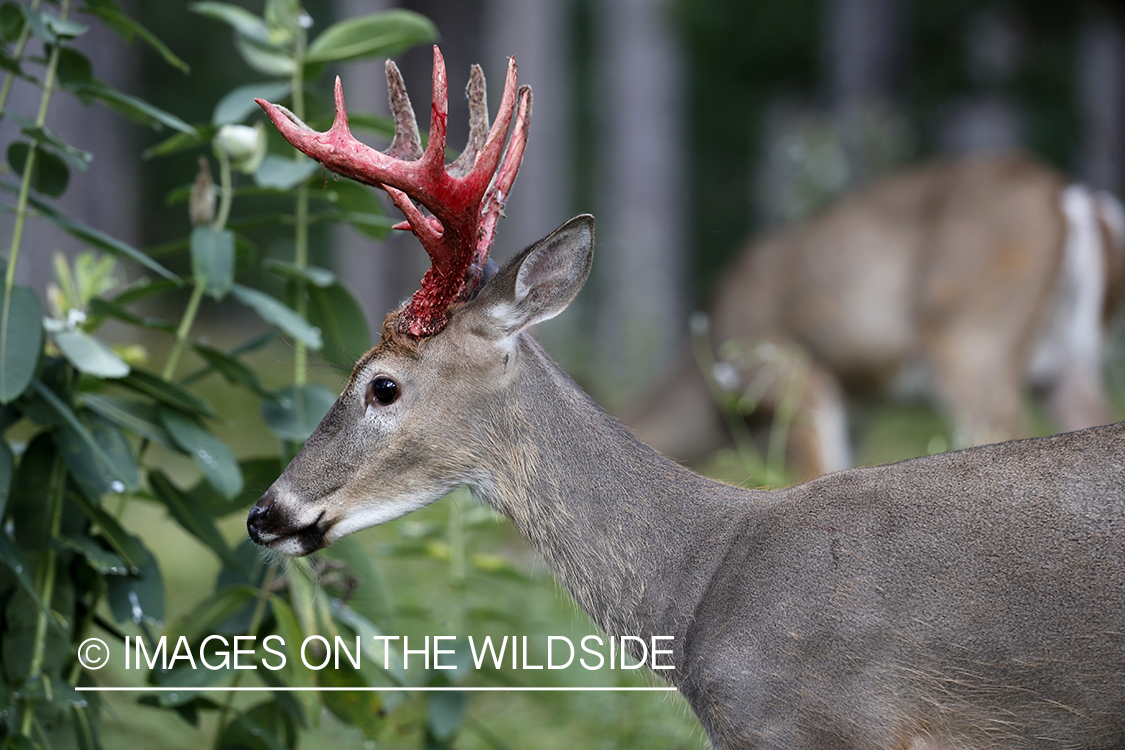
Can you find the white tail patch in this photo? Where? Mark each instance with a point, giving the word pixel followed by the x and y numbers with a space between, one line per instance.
pixel 1073 332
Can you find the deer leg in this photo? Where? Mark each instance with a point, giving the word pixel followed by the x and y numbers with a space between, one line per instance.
pixel 1075 399
pixel 819 437
pixel 792 392
pixel 979 385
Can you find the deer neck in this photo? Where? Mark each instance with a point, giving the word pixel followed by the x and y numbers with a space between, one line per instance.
pixel 633 536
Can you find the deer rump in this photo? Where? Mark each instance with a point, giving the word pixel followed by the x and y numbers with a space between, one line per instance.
pixel 966 282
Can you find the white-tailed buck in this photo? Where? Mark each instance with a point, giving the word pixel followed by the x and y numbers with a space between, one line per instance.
pixel 970 282
pixel 973 599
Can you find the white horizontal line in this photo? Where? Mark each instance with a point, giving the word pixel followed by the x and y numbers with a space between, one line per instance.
pixel 370 689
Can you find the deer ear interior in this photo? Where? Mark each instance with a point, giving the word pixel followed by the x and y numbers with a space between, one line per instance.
pixel 540 282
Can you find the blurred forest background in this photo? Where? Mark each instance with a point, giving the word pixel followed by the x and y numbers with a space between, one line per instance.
pixel 684 127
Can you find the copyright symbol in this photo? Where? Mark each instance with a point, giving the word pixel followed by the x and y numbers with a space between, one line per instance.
pixel 93 653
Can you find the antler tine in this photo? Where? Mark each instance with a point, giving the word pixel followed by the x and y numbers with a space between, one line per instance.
pixel 489 157
pixel 407 143
pixel 497 196
pixel 477 95
pixel 465 199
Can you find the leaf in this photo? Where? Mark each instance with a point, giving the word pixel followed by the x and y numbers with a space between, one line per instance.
pixel 212 259
pixel 65 29
pixel 297 410
pixel 127 28
pixel 70 420
pixel 379 34
pixel 78 158
pixel 102 308
pixel 96 473
pixel 166 392
pixel 140 595
pixel 194 518
pixel 36 23
pixel 178 142
pixel 314 275
pixel 13 558
pixel 342 321
pixel 74 68
pixel 242 21
pixel 208 616
pixel 280 173
pixel 210 454
pixel 128 547
pixel 134 416
pixel 11 21
pixel 100 559
pixel 233 370
pixel 368 631
pixel 278 314
pixel 49 173
pixel 6 470
pixel 21 338
pixel 135 109
pixel 90 356
pixel 239 104
pixel 264 727
pixel 265 58
pixel 445 712
pixel 362 709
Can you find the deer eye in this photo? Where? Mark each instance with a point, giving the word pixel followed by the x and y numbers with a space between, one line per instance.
pixel 382 390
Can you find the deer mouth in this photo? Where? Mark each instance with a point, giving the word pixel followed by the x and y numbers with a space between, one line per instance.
pixel 295 542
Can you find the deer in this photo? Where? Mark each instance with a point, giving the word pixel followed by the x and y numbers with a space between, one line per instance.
pixel 969 282
pixel 969 599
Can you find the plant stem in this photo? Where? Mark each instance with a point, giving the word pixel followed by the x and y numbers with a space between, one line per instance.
pixel 45 584
pixel 17 55
pixel 255 623
pixel 29 165
pixel 301 225
pixel 183 331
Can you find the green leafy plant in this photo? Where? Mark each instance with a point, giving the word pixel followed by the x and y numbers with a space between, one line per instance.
pixel 81 417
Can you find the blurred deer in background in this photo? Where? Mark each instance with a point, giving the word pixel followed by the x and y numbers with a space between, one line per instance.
pixel 973 599
pixel 970 282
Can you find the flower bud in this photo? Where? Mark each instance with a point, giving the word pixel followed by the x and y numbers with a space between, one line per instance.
pixel 245 146
pixel 201 205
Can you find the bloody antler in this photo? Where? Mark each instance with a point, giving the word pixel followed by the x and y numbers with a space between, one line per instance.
pixel 466 198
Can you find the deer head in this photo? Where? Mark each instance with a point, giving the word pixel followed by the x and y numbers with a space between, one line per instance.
pixel 412 425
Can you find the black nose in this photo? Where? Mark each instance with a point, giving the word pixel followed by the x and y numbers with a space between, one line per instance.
pixel 256 520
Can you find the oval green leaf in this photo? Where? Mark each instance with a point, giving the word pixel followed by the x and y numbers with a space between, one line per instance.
pixel 192 516
pixel 210 454
pixel 212 259
pixel 90 356
pixel 278 314
pixel 379 34
pixel 237 105
pixel 280 173
pixel 21 338
pixel 166 392
pixel 49 173
pixel 314 275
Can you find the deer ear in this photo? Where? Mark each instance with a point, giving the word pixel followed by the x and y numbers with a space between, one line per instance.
pixel 539 283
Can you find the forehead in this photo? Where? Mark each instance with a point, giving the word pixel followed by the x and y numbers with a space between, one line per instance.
pixel 392 345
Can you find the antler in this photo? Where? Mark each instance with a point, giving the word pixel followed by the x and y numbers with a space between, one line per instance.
pixel 466 198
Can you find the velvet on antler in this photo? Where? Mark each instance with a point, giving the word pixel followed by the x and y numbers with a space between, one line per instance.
pixel 465 198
